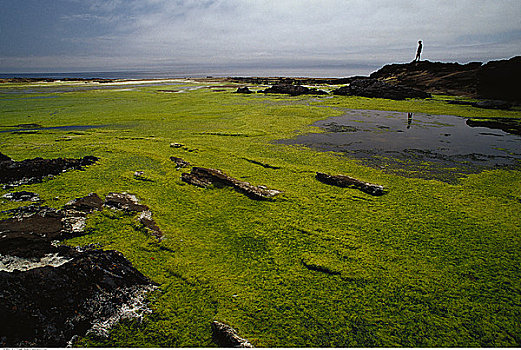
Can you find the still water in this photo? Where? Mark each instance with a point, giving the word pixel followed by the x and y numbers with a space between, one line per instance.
pixel 419 145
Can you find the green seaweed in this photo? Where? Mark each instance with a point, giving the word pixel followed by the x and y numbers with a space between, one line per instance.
pixel 430 264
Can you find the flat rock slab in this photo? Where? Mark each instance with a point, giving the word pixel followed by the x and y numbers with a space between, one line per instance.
pixel 293 90
pixel 35 170
pixel 204 177
pixel 347 181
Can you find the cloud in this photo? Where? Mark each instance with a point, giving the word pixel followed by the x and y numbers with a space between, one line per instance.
pixel 293 32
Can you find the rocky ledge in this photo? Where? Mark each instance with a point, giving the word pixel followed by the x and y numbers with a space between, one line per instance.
pixel 13 173
pixel 49 293
pixel 495 80
pixel 379 89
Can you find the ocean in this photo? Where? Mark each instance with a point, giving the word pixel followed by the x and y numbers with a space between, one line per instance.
pixel 202 72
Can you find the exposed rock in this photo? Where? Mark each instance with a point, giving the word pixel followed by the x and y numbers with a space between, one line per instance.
pixel 146 219
pixel 510 125
pixel 204 177
pixel 347 181
pixel 379 89
pixel 86 204
pixel 51 293
pixel 227 337
pixel 433 77
pixel 47 306
pixel 293 90
pixel 493 104
pixel 124 201
pixel 35 170
pixel 499 80
pixel 180 163
pixel 176 145
pixel 244 90
pixel 22 196
pixel 4 158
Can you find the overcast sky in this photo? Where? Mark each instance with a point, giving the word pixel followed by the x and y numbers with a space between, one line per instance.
pixel 104 35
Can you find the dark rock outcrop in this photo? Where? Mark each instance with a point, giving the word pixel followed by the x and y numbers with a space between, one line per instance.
pixel 130 203
pixel 244 90
pixel 204 177
pixel 376 88
pixel 51 293
pixel 433 77
pixel 227 337
pixel 499 80
pixel 22 196
pixel 180 163
pixel 87 204
pixel 47 306
pixel 493 104
pixel 509 125
pixel 36 169
pixel 124 201
pixel 293 90
pixel 495 80
pixel 347 181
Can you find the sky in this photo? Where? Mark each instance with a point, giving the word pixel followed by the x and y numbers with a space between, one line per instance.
pixel 111 35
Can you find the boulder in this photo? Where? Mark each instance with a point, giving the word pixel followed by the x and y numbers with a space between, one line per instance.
pixel 379 89
pixel 293 90
pixel 204 177
pixel 347 181
pixel 227 337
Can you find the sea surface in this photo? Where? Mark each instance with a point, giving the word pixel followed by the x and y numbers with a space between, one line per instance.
pixel 202 72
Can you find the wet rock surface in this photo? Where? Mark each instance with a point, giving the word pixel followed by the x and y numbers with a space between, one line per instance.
pixel 204 177
pixel 47 306
pixel 22 196
pixel 28 171
pixel 293 90
pixel 378 89
pixel 51 293
pixel 227 337
pixel 347 181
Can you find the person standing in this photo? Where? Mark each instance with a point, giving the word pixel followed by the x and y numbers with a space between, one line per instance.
pixel 418 51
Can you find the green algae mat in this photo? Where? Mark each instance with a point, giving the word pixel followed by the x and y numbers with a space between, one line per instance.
pixel 431 263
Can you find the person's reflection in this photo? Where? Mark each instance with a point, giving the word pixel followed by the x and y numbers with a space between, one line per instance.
pixel 409 120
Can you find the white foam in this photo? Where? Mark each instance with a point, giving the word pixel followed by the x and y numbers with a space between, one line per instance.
pixel 10 263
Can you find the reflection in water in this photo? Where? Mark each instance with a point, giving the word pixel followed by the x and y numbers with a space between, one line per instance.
pixel 436 145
